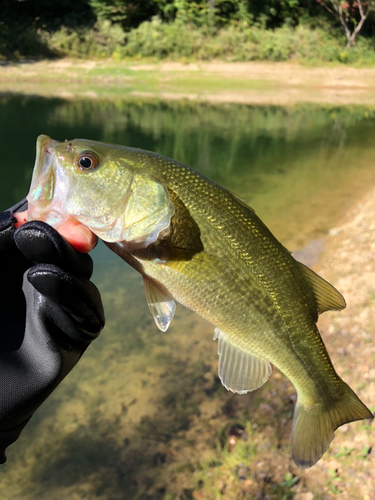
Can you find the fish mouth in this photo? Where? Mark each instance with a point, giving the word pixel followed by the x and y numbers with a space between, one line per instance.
pixel 43 180
pixel 49 185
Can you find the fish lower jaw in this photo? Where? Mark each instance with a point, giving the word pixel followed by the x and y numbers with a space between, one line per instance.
pixel 118 233
pixel 54 219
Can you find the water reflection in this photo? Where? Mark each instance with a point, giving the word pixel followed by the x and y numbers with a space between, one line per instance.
pixel 144 414
pixel 300 168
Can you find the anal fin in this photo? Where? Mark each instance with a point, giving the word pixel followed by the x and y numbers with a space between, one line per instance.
pixel 240 371
pixel 161 305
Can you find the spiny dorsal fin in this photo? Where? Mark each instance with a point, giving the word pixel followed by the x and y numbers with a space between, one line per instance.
pixel 240 371
pixel 326 296
pixel 241 200
pixel 161 305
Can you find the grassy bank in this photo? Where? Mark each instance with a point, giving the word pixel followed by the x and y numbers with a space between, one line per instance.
pixel 176 41
pixel 282 83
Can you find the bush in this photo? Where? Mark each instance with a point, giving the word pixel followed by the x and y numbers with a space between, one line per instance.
pixel 16 42
pixel 176 41
pixel 100 41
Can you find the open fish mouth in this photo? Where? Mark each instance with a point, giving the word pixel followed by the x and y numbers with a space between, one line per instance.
pixel 43 181
pixel 62 189
pixel 44 153
pixel 49 184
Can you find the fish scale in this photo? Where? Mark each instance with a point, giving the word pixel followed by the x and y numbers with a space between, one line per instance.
pixel 233 213
pixel 196 243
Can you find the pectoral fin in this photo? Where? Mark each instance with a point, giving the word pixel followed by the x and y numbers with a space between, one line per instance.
pixel 240 371
pixel 161 305
pixel 326 296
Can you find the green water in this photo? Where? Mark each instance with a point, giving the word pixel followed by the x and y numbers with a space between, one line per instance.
pixel 143 413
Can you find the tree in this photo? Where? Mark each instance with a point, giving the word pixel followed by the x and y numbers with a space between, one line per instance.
pixel 127 13
pixel 351 13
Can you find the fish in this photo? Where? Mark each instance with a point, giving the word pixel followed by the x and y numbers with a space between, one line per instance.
pixel 198 244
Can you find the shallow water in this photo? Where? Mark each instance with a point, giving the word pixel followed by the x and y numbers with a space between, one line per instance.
pixel 143 413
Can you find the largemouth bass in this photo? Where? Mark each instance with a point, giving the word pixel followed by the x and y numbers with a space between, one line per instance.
pixel 196 243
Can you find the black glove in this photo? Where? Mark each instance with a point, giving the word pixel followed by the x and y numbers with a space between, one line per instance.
pixel 49 314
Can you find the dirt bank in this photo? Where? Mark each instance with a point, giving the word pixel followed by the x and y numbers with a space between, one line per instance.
pixel 349 262
pixel 249 83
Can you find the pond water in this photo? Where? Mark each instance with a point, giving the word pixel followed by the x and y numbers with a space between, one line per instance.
pixel 143 415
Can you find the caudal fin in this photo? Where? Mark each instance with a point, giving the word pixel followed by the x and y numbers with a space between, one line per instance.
pixel 314 426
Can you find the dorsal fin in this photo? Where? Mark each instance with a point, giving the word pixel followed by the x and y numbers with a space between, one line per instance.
pixel 326 296
pixel 241 200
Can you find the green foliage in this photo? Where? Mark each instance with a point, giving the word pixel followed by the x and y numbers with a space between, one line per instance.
pixel 235 30
pixel 158 40
pixel 100 41
pixel 16 42
pixel 363 455
pixel 265 13
pixel 334 481
pixel 343 452
pixel 289 480
pixel 112 10
pixel 125 13
pixel 22 25
pixel 238 43
pixel 351 15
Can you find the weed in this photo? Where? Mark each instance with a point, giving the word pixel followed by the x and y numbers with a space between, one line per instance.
pixel 366 425
pixel 363 455
pixel 289 480
pixel 334 478
pixel 343 452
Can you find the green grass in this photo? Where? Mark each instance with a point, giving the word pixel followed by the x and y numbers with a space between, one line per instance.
pixel 110 71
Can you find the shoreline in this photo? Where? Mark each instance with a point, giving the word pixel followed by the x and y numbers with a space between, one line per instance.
pixel 284 84
pixel 348 262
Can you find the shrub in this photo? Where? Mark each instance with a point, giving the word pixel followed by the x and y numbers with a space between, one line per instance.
pixel 176 41
pixel 155 39
pixel 100 41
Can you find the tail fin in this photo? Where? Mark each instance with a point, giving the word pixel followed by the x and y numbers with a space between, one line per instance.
pixel 314 426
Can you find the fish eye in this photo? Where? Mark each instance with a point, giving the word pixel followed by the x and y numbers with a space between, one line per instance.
pixel 87 160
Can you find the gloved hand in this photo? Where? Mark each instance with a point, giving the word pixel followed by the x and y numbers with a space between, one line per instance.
pixel 49 314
